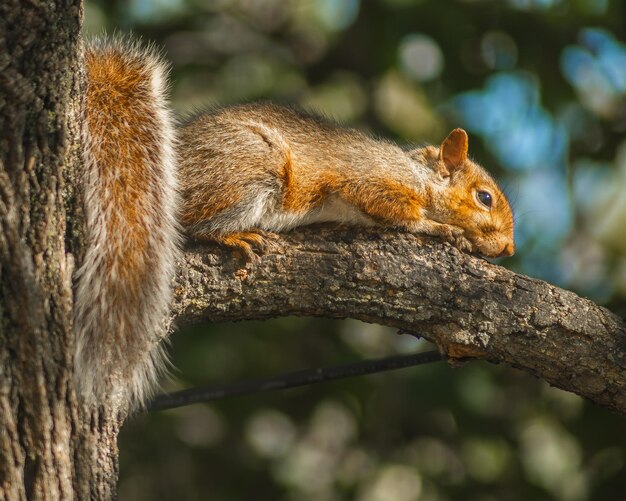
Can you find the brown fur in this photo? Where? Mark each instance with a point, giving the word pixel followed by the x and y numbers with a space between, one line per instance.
pixel 114 89
pixel 263 167
pixel 123 285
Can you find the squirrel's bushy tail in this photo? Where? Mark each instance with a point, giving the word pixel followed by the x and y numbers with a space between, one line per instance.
pixel 123 286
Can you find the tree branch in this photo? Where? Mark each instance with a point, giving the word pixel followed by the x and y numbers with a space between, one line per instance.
pixel 468 307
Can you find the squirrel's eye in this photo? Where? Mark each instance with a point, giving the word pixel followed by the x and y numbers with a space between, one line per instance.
pixel 484 197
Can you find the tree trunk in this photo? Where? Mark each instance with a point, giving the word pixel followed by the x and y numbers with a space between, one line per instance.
pixel 49 447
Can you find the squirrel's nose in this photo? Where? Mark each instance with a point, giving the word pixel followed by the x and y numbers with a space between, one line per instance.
pixel 507 250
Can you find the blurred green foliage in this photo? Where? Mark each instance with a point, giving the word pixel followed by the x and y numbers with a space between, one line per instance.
pixel 541 87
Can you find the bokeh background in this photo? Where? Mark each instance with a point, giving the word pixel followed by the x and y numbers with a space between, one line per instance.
pixel 540 85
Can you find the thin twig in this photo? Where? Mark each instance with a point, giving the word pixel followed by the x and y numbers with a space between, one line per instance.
pixel 290 380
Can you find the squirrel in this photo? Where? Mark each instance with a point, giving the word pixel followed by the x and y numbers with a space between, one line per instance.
pixel 239 174
pixel 256 168
pixel 122 291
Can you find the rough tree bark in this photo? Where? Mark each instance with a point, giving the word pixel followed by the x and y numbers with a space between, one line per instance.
pixel 469 307
pixel 51 448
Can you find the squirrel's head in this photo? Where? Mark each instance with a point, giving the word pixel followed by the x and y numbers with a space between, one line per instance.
pixel 469 197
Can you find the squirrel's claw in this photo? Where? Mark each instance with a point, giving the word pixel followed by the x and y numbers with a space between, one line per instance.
pixel 249 244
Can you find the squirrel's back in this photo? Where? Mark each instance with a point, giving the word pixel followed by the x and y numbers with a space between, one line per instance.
pixel 240 162
pixel 124 283
pixel 312 136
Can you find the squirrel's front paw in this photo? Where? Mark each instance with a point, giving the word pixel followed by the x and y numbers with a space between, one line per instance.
pixel 456 236
pixel 463 244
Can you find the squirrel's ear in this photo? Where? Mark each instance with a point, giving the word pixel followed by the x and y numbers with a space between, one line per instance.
pixel 453 150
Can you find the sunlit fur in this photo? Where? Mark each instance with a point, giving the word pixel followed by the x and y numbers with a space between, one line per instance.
pixel 124 283
pixel 261 167
pixel 490 230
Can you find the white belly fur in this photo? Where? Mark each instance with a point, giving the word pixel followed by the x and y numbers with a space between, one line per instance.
pixel 334 209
